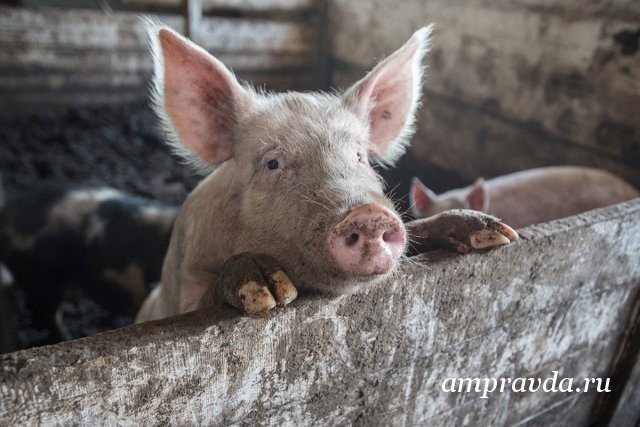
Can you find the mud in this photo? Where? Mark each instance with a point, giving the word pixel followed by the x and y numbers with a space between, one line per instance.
pixel 120 146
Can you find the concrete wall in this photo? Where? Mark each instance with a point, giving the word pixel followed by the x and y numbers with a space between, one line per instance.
pixel 564 297
pixel 528 82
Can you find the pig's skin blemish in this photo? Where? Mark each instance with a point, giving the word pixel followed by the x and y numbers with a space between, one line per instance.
pixel 386 114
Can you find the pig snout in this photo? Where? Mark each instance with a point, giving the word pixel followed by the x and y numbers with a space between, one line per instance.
pixel 369 240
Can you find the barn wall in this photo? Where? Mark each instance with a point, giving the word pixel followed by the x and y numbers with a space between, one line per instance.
pixel 82 57
pixel 563 298
pixel 74 79
pixel 528 82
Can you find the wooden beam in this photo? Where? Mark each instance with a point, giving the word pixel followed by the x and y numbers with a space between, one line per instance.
pixel 193 19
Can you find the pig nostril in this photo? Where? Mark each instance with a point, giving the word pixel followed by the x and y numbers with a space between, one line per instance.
pixel 352 239
pixel 390 236
pixel 369 240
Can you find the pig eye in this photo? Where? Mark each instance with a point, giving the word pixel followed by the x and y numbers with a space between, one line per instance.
pixel 272 165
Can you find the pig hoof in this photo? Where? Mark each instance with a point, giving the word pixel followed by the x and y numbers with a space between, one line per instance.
pixel 496 234
pixel 255 283
pixel 486 239
pixel 255 298
pixel 284 290
pixel 459 230
pixel 505 230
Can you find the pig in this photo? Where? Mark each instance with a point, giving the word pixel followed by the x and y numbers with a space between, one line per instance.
pixel 106 243
pixel 291 200
pixel 528 197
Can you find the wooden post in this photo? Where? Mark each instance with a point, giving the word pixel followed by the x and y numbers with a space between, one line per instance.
pixel 193 18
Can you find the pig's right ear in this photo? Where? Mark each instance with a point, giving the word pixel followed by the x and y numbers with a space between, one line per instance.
pixel 196 97
pixel 420 198
pixel 388 97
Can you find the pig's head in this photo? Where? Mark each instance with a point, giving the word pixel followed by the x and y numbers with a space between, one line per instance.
pixel 293 170
pixel 426 203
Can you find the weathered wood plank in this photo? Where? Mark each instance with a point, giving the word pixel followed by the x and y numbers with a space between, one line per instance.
pixel 46 100
pixel 247 5
pixel 92 62
pixel 107 91
pixel 251 35
pixel 262 4
pixel 212 7
pixel 89 29
pixel 147 3
pixel 82 52
pixel 556 300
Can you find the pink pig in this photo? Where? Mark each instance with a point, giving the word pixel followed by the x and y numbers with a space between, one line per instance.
pixel 291 196
pixel 528 197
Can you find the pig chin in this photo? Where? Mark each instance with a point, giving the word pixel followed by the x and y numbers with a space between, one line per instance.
pixel 326 272
pixel 319 271
pixel 335 281
pixel 369 263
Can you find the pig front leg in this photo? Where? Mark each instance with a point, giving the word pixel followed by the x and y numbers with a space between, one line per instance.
pixel 459 230
pixel 253 283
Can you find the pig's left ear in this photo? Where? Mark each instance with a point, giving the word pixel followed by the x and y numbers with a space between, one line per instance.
pixel 421 198
pixel 478 196
pixel 387 98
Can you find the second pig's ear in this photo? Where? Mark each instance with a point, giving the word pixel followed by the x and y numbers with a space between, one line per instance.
pixel 197 98
pixel 387 98
pixel 420 198
pixel 478 197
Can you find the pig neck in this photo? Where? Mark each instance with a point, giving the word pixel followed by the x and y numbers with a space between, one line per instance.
pixel 203 238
